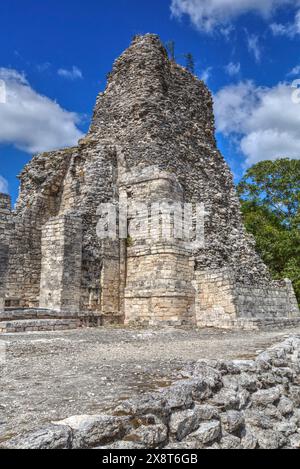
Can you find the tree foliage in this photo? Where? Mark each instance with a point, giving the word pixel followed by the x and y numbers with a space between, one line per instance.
pixel 190 63
pixel 170 46
pixel 270 197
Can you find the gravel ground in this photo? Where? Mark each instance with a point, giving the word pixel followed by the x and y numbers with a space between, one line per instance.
pixel 48 376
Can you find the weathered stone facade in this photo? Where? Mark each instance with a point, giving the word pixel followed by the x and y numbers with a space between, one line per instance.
pixel 61 264
pixel 151 140
pixel 5 210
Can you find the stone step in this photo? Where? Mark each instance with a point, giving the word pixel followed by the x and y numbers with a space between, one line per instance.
pixel 35 313
pixel 32 325
pixel 13 314
pixel 251 324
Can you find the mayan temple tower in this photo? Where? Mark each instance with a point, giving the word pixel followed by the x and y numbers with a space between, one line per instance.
pixel 152 139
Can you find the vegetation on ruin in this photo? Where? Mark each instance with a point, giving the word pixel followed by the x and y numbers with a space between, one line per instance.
pixel 190 63
pixel 170 46
pixel 270 197
pixel 129 242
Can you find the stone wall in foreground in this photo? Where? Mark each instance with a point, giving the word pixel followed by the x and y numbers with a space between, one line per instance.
pixel 247 404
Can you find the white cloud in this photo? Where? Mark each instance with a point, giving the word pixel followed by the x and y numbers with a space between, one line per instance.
pixel 233 69
pixel 73 74
pixel 206 74
pixel 254 46
pixel 207 15
pixel 295 71
pixel 290 29
pixel 3 185
pixel 265 121
pixel 43 67
pixel 33 122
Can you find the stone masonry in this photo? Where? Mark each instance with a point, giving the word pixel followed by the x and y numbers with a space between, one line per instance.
pixel 152 139
pixel 61 264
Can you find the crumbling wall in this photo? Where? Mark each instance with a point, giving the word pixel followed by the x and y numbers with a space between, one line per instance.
pixel 40 184
pixel 5 236
pixel 162 115
pixel 54 184
pixel 61 264
pixel 100 258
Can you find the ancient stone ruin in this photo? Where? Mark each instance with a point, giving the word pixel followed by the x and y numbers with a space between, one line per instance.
pixel 152 138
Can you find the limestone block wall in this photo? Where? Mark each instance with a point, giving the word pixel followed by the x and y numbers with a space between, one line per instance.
pixel 39 198
pixel 222 302
pixel 5 234
pixel 111 280
pixel 294 307
pixel 54 184
pixel 24 261
pixel 264 302
pixel 214 302
pixel 61 264
pixel 158 287
pixel 91 181
pixel 159 268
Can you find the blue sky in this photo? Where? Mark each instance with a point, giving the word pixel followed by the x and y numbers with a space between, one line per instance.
pixel 55 56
